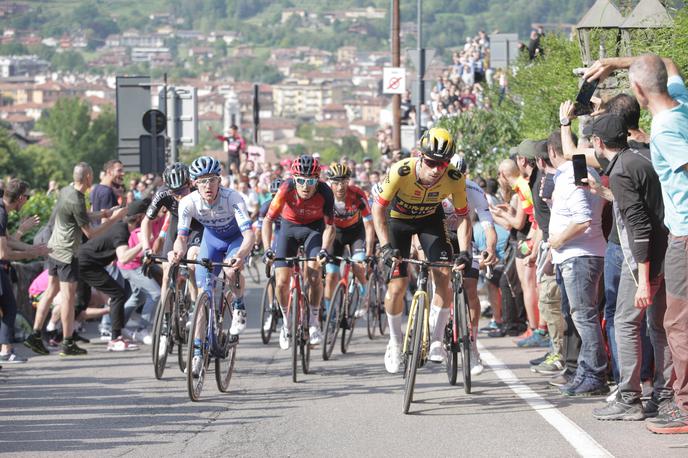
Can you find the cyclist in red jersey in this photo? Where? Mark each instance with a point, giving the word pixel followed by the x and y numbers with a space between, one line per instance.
pixel 306 207
pixel 353 227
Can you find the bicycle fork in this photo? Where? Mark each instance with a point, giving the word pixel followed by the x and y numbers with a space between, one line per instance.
pixel 425 346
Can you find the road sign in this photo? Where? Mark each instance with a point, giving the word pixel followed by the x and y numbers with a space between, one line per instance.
pixel 393 80
pixel 414 57
pixel 154 118
pixel 133 99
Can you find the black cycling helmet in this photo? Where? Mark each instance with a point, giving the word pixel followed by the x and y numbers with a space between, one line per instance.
pixel 305 165
pixel 438 144
pixel 176 175
pixel 338 171
pixel 274 186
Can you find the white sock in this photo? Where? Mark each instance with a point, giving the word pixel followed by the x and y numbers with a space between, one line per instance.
pixel 285 317
pixel 441 317
pixel 394 328
pixel 315 316
pixel 51 326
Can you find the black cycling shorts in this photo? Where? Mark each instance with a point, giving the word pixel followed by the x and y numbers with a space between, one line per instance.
pixel 195 237
pixel 432 233
pixel 292 236
pixel 354 237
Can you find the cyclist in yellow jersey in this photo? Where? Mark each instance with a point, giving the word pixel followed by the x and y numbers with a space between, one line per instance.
pixel 407 203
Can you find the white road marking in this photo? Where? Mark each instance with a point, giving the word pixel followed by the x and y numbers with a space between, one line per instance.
pixel 581 441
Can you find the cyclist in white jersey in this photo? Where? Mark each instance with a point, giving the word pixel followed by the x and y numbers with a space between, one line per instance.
pixel 477 202
pixel 227 235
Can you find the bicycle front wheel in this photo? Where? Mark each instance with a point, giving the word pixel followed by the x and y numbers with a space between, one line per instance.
pixel 161 335
pixel 381 315
pixel 182 312
pixel 332 322
pixel 295 338
pixel 372 314
pixel 451 345
pixel 227 344
pixel 266 312
pixel 198 357
pixel 305 347
pixel 465 338
pixel 413 354
pixel 352 305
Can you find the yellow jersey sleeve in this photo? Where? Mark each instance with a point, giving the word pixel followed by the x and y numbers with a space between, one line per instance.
pixel 390 184
pixel 458 192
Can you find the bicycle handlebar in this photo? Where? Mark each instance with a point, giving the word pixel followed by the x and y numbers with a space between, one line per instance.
pixel 205 262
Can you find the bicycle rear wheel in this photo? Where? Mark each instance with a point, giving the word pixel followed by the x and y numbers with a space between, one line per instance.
pixel 413 354
pixel 199 329
pixel 162 335
pixel 465 338
pixel 305 347
pixel 352 304
pixel 451 346
pixel 332 322
pixel 266 312
pixel 182 312
pixel 381 315
pixel 224 363
pixel 295 338
pixel 372 315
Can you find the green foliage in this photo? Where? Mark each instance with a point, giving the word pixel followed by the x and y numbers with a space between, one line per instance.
pixel 68 61
pixel 543 84
pixel 39 204
pixel 484 137
pixel 255 70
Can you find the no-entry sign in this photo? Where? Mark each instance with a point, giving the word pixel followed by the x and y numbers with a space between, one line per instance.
pixel 393 80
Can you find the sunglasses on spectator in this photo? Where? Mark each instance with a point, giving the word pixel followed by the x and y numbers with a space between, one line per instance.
pixel 435 164
pixel 301 181
pixel 207 181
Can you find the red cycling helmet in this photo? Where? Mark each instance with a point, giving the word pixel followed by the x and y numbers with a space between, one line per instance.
pixel 305 166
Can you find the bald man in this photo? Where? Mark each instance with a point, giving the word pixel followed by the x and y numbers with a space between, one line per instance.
pixel 658 86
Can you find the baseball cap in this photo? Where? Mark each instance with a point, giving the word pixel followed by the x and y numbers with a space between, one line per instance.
pixel 526 149
pixel 137 207
pixel 610 129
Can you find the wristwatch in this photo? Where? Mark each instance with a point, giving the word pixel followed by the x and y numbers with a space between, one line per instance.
pixel 565 121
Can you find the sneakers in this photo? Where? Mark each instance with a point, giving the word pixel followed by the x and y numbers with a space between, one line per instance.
pixel 552 365
pixel 655 407
pixel 527 333
pixel 361 311
pixel 671 421
pixel 393 358
pixel 538 360
pixel 490 327
pixel 162 347
pixel 145 336
pixel 12 358
pixel 284 338
pixel 238 322
pixel 71 349
pixel 618 409
pixel 121 344
pixel 315 335
pixel 586 388
pixel 35 343
pixel 196 365
pixel 538 339
pixel 437 353
pixel 476 363
pixel 500 331
pixel 78 338
pixel 560 380
pixel 105 335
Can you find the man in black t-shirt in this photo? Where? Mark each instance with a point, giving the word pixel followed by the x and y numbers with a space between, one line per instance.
pixel 98 253
pixel 103 196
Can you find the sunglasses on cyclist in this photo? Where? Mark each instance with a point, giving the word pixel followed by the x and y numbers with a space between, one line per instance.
pixel 435 164
pixel 303 181
pixel 207 181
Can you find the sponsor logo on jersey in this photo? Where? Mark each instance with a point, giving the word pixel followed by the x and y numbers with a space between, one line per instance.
pixel 404 170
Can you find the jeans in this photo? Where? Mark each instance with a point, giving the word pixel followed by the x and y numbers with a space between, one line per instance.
pixel 581 277
pixel 676 316
pixel 613 259
pixel 572 342
pixel 130 303
pixel 146 291
pixel 629 338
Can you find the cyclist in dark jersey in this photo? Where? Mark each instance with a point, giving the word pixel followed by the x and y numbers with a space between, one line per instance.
pixel 306 206
pixel 177 185
pixel 274 187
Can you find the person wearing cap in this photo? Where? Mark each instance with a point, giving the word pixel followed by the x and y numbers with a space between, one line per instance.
pixel 639 213
pixel 96 254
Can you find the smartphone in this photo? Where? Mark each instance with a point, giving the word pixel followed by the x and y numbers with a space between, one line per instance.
pixel 548 186
pixel 580 169
pixel 583 105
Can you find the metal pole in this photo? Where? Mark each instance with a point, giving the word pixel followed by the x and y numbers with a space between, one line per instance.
pixel 396 62
pixel 420 97
pixel 172 123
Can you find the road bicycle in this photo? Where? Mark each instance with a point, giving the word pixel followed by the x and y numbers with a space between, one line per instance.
pixel 457 340
pixel 298 312
pixel 252 264
pixel 375 298
pixel 270 312
pixel 211 322
pixel 342 312
pixel 171 317
pixel 416 343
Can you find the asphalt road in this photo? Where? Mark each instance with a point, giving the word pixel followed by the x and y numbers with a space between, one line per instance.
pixel 110 404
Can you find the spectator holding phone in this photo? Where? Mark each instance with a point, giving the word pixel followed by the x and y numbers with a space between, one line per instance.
pixel 658 86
